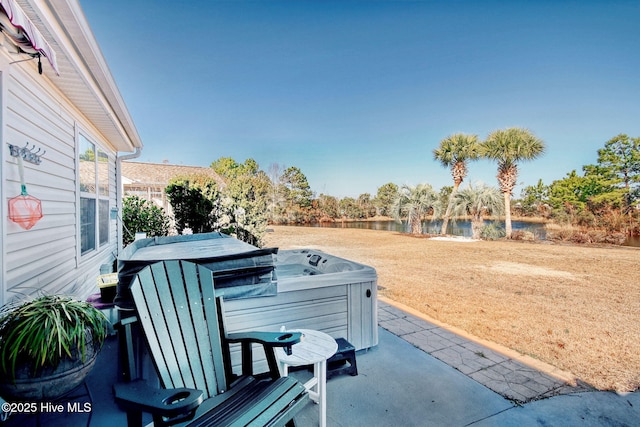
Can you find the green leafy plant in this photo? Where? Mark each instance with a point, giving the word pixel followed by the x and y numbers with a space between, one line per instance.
pixel 140 215
pixel 194 200
pixel 42 332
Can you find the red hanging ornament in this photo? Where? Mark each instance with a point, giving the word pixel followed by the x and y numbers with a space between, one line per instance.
pixel 24 210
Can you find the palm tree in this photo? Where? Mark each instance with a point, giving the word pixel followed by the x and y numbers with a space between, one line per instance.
pixel 455 151
pixel 415 203
pixel 477 202
pixel 507 147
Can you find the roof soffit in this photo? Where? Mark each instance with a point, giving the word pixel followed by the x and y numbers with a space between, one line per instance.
pixel 84 75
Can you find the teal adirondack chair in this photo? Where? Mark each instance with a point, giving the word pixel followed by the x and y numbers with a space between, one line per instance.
pixel 183 324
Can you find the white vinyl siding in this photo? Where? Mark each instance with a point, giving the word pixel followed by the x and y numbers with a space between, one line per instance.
pixel 46 258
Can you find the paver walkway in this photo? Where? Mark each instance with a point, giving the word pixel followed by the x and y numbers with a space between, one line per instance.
pixel 499 369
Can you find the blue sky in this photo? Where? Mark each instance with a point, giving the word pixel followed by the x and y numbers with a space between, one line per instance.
pixel 358 93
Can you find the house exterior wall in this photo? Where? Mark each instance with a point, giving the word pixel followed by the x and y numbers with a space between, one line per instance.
pixel 47 258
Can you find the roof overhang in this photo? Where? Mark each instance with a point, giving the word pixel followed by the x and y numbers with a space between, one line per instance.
pixel 82 73
pixel 26 34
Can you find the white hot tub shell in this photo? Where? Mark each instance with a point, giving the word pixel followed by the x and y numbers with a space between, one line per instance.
pixel 315 291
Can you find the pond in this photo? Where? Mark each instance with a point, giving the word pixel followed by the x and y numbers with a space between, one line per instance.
pixel 456 228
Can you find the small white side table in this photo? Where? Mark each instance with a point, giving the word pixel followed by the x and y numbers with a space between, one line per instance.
pixel 314 348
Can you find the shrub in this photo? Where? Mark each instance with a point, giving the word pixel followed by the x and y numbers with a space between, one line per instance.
pixel 586 219
pixel 580 237
pixel 614 238
pixel 525 235
pixel 195 201
pixel 140 215
pixel 559 232
pixel 573 235
pixel 560 216
pixel 492 232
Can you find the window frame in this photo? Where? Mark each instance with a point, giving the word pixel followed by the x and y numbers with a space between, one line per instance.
pixel 93 187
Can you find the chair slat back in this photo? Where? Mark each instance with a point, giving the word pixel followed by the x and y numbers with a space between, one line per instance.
pixel 176 304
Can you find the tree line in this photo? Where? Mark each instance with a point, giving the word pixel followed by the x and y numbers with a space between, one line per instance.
pixel 605 195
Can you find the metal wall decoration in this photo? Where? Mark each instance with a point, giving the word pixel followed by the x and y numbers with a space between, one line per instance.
pixel 25 210
pixel 28 154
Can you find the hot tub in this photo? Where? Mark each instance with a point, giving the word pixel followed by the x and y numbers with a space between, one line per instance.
pixel 265 289
pixel 240 270
pixel 315 291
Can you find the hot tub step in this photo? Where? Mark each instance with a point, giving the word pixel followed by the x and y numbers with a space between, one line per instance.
pixel 344 361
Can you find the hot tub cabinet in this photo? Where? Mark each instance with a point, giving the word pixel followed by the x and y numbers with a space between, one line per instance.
pixel 315 291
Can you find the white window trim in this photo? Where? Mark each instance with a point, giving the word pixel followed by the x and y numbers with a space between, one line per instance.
pixel 98 248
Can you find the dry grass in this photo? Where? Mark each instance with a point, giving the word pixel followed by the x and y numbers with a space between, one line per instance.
pixel 575 307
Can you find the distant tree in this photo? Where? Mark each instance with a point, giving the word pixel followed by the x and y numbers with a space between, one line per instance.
pixel 574 192
pixel 366 205
pixel 246 201
pixel 229 168
pixel 605 195
pixel 350 208
pixel 590 200
pixel 328 206
pixel 298 192
pixel 225 166
pixel 477 202
pixel 276 205
pixel 246 209
pixel 415 203
pixel 445 194
pixel 605 190
pixel 619 162
pixel 534 199
pixel 508 147
pixel 142 216
pixel 385 197
pixel 455 151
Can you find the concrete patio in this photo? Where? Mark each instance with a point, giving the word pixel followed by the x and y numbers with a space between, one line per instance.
pixel 420 374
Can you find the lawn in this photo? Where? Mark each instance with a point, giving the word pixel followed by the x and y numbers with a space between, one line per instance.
pixel 574 307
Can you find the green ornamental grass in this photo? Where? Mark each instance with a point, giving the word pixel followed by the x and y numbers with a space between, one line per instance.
pixel 46 330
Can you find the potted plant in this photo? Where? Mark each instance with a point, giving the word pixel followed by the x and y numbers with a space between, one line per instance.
pixel 48 346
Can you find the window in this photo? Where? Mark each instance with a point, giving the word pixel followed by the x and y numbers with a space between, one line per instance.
pixel 94 196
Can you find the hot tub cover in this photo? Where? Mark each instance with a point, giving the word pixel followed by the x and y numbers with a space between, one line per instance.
pixel 240 270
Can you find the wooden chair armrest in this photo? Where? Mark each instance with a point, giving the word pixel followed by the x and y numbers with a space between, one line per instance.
pixel 168 405
pixel 268 339
pixel 125 321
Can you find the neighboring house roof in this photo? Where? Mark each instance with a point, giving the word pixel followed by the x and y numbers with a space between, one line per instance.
pixel 159 174
pixel 84 77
